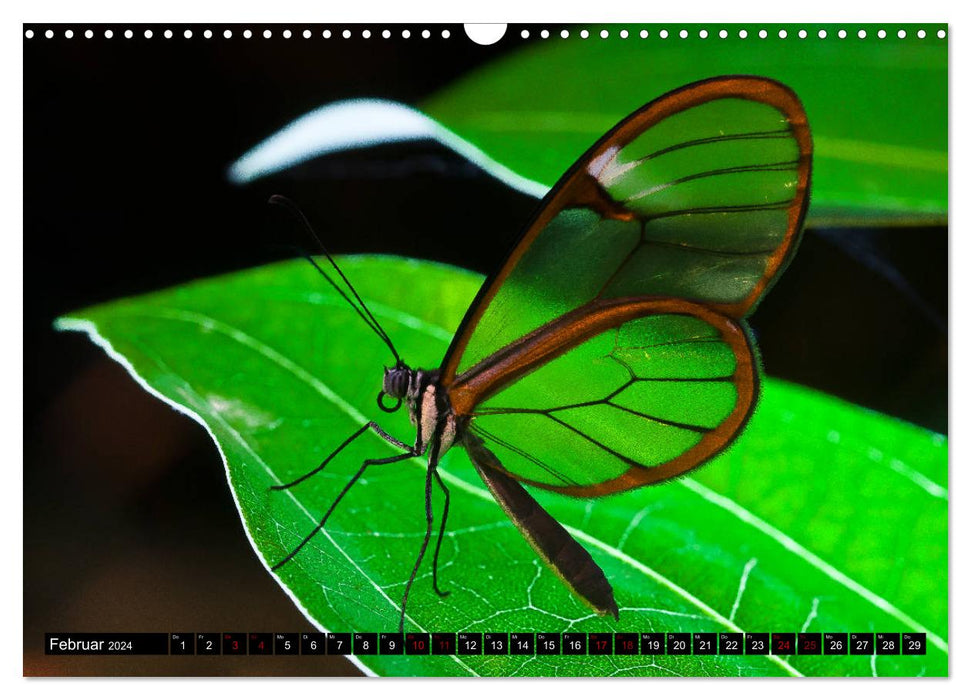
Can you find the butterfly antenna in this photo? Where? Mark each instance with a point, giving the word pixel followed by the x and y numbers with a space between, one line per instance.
pixel 361 308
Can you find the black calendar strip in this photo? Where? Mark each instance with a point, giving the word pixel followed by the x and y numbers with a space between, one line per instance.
pixel 487 643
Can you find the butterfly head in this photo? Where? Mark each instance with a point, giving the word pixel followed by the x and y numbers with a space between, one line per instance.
pixel 397 381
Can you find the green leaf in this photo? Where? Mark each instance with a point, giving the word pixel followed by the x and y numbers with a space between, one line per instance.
pixel 823 517
pixel 877 108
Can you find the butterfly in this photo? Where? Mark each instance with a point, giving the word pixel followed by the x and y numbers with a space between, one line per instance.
pixel 610 350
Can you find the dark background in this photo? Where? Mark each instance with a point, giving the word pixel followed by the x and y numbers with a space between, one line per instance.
pixel 129 523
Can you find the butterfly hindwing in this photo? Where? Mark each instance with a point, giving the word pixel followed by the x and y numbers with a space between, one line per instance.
pixel 638 402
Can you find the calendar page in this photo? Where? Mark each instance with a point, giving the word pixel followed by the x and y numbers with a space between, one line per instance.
pixel 516 350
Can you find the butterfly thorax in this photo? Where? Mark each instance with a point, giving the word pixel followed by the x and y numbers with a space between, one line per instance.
pixel 427 402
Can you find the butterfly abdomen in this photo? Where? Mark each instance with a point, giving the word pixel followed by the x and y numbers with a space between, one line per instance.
pixel 571 562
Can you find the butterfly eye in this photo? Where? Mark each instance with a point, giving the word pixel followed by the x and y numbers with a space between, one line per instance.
pixel 386 408
pixel 396 381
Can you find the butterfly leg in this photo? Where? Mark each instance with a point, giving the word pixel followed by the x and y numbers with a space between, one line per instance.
pixel 370 425
pixel 441 533
pixel 429 521
pixel 347 487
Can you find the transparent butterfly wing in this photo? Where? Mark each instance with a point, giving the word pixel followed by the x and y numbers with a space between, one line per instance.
pixel 697 199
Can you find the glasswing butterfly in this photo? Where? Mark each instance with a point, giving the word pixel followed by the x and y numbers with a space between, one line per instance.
pixel 610 351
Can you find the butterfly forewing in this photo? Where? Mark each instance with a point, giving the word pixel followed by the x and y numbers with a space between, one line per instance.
pixel 699 195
